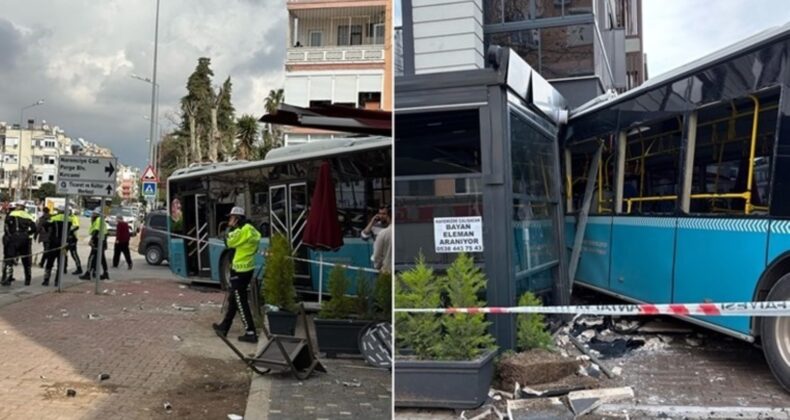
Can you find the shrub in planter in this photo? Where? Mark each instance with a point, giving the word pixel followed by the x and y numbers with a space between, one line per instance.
pixel 278 287
pixel 531 328
pixel 453 355
pixel 338 325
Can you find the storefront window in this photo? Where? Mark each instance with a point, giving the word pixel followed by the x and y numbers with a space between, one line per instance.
pixel 534 205
pixel 437 174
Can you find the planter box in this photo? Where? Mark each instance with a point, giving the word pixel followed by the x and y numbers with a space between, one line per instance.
pixel 282 322
pixel 444 384
pixel 336 336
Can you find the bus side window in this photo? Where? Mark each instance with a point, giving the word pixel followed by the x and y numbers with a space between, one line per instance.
pixel 722 164
pixel 603 191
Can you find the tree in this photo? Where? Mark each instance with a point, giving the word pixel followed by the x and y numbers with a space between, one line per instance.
pixel 273 134
pixel 45 190
pixel 226 119
pixel 196 107
pixel 247 135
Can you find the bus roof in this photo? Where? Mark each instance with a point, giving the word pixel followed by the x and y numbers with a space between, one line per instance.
pixel 748 44
pixel 306 151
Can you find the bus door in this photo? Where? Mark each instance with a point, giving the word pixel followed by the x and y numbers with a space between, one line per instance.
pixel 288 213
pixel 201 231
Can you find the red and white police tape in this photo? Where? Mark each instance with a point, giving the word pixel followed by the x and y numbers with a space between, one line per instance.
pixel 771 308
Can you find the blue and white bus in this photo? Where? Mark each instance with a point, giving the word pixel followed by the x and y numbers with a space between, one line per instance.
pixel 275 193
pixel 691 201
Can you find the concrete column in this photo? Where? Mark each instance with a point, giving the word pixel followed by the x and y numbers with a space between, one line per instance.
pixel 448 35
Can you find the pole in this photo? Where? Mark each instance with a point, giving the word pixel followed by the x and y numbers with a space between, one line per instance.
pixel 62 251
pixel 99 248
pixel 153 84
pixel 320 276
pixel 18 194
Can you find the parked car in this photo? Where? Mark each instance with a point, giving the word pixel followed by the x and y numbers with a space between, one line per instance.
pixel 153 238
pixel 87 213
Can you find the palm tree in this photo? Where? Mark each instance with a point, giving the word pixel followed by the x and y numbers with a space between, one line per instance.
pixel 274 135
pixel 247 134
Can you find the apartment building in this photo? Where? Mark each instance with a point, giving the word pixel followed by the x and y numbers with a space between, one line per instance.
pixel 127 181
pixel 31 153
pixel 339 52
pixel 584 48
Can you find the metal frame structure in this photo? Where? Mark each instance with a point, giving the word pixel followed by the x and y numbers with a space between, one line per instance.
pixel 506 84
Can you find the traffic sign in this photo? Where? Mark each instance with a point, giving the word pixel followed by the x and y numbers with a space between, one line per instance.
pixel 86 175
pixel 149 174
pixel 149 189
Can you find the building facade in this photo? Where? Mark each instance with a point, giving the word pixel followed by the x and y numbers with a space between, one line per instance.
pixel 30 155
pixel 584 48
pixel 339 52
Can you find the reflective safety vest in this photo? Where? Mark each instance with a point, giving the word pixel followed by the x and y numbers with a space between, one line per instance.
pixel 94 229
pixel 75 224
pixel 20 222
pixel 245 241
pixel 23 214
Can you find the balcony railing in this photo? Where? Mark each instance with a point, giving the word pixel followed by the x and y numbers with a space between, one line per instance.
pixel 330 55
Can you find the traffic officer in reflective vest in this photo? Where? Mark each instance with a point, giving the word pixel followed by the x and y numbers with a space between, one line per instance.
pixel 96 223
pixel 71 245
pixel 54 252
pixel 244 239
pixel 19 226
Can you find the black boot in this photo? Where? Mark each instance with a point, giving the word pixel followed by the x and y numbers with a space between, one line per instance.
pixel 28 276
pixel 104 276
pixel 249 337
pixel 86 276
pixel 77 272
pixel 47 275
pixel 220 329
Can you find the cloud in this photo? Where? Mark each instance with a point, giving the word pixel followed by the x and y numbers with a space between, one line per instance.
pixel 82 60
pixel 680 31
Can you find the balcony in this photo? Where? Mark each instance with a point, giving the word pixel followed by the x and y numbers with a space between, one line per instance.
pixel 336 55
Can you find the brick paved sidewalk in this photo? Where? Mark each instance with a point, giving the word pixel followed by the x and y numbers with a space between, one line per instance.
pixel 49 343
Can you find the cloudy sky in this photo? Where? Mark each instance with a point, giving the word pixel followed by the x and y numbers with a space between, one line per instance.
pixel 79 54
pixel 679 31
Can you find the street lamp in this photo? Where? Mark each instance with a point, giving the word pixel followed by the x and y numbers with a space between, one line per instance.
pixel 19 148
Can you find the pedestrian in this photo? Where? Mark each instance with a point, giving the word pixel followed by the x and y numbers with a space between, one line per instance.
pixel 42 235
pixel 122 235
pixel 71 245
pixel 54 251
pixel 382 246
pixel 93 259
pixel 244 239
pixel 376 224
pixel 19 226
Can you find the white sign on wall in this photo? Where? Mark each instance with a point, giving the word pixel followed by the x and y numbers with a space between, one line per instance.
pixel 458 234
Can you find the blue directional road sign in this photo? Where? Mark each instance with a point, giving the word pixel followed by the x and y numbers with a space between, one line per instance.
pixel 149 189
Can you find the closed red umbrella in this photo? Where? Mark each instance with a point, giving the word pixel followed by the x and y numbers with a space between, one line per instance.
pixel 322 229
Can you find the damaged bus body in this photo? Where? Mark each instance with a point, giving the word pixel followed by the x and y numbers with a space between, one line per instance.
pixel 276 194
pixel 690 201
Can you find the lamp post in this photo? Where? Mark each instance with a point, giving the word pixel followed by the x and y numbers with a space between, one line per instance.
pixel 19 148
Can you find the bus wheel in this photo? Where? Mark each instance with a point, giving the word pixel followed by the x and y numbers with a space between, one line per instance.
pixel 153 255
pixel 775 333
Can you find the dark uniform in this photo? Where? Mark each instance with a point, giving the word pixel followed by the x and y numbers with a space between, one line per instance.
pixel 52 257
pixel 71 245
pixel 17 243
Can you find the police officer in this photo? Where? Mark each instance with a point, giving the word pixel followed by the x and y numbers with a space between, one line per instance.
pixel 93 258
pixel 243 238
pixel 71 245
pixel 17 242
pixel 54 253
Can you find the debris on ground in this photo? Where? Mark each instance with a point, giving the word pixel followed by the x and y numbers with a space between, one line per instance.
pixel 167 406
pixel 543 408
pixel 230 416
pixel 104 376
pixel 533 367
pixel 658 326
pixel 353 384
pixel 184 308
pixel 94 316
pixel 177 338
pixel 71 393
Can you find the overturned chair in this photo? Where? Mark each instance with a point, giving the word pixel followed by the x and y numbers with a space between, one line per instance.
pixel 283 353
